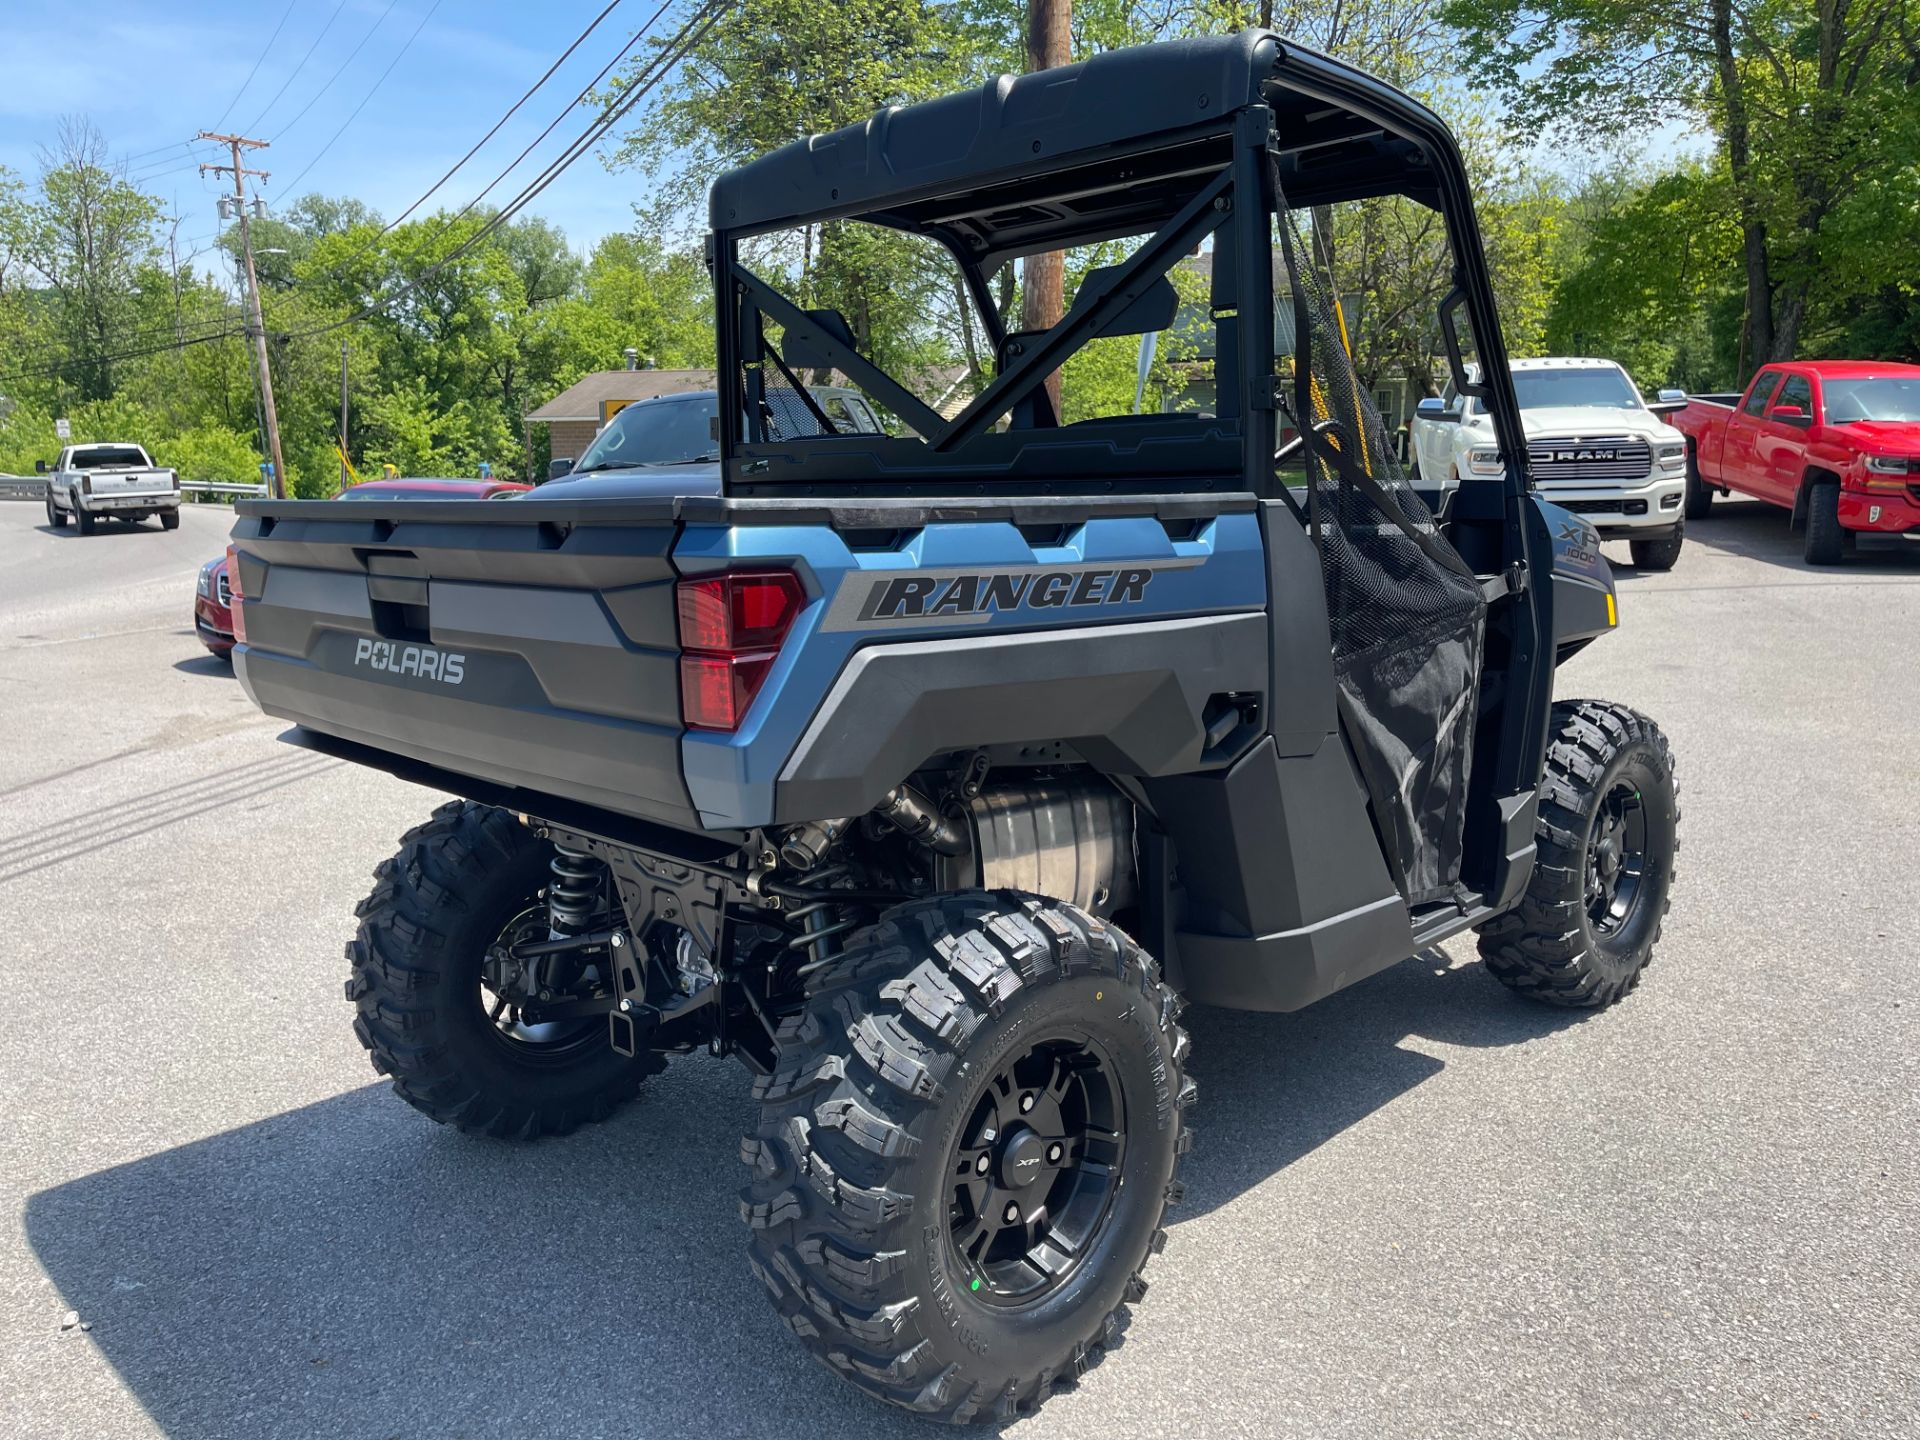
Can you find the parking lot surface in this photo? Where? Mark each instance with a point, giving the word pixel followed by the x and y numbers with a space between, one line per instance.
pixel 1422 1208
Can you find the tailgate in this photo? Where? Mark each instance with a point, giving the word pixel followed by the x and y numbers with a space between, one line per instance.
pixel 508 641
pixel 107 481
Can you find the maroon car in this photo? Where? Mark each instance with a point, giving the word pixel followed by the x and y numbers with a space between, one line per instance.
pixel 213 592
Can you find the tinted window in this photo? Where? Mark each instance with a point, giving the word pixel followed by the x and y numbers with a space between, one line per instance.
pixel 100 457
pixel 1796 391
pixel 1601 385
pixel 1892 397
pixel 1762 388
pixel 669 431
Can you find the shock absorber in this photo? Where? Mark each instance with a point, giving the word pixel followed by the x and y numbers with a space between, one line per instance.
pixel 821 917
pixel 574 894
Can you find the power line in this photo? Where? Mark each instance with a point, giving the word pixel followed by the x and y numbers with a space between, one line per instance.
pixel 313 99
pixel 671 52
pixel 139 154
pixel 265 50
pixel 373 90
pixel 554 124
pixel 336 272
pixel 181 344
pixel 579 40
pixel 294 74
pixel 691 33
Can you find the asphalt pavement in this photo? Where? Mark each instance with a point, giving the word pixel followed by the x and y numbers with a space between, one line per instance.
pixel 1421 1208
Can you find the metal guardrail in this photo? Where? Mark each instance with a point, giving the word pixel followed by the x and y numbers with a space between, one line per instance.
pixel 222 489
pixel 34 487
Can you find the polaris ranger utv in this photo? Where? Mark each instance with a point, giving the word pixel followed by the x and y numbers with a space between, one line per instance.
pixel 931 773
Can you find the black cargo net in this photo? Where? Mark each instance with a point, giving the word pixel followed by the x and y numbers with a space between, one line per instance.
pixel 1406 611
pixel 789 417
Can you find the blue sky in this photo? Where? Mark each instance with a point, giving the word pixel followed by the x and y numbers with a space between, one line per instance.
pixel 152 72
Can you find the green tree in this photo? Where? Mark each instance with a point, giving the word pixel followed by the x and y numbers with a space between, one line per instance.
pixel 1809 101
pixel 84 239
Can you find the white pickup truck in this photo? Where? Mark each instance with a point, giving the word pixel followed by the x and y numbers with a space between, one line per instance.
pixel 1595 447
pixel 89 482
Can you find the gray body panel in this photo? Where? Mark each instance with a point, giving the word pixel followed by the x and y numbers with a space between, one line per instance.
pixel 1126 698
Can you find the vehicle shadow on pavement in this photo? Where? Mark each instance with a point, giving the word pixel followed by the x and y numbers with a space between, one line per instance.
pixel 1273 1088
pixel 1755 530
pixel 205 665
pixel 349 1268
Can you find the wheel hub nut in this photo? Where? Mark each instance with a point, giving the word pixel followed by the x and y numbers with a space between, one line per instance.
pixel 1013 1214
pixel 982 1165
pixel 1026 1103
pixel 1054 1153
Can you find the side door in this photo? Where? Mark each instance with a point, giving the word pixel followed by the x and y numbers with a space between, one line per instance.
pixel 1780 444
pixel 1739 465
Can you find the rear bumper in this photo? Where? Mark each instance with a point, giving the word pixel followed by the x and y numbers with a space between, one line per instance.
pixel 112 504
pixel 1877 513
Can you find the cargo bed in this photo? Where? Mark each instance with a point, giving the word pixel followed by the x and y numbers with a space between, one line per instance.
pixel 532 644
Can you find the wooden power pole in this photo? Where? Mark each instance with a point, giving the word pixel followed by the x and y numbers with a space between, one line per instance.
pixel 257 327
pixel 1049 45
pixel 343 414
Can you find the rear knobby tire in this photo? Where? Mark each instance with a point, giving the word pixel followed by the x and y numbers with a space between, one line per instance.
pixel 857 1203
pixel 1661 554
pixel 1563 945
pixel 1826 540
pixel 436 907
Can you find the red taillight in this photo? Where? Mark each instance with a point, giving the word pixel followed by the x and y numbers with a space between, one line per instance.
pixel 234 607
pixel 731 628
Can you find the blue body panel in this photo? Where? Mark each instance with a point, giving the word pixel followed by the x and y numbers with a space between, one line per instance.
pixel 731 776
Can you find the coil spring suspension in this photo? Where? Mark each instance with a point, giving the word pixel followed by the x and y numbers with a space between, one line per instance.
pixel 574 894
pixel 821 918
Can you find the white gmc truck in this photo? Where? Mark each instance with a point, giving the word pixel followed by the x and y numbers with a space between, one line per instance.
pixel 1595 447
pixel 89 482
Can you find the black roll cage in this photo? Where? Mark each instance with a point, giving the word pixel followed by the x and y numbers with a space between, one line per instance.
pixel 1319 129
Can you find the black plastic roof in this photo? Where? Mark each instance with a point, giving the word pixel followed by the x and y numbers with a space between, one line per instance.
pixel 1040 121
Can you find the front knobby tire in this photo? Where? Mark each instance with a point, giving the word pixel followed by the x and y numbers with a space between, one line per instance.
pixel 1606 837
pixel 966 1150
pixel 458 883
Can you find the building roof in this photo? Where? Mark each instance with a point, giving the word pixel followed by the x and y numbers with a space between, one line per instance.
pixel 583 399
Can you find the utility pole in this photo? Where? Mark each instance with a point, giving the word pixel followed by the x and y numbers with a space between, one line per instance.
pixel 258 327
pixel 1049 45
pixel 343 414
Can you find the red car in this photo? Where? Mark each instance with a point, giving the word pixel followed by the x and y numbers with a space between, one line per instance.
pixel 1836 442
pixel 213 593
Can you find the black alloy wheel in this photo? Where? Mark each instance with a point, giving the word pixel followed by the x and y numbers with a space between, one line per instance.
pixel 1036 1170
pixel 1616 860
pixel 513 1015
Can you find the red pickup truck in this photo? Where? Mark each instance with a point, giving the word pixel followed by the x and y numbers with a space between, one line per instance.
pixel 1837 442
